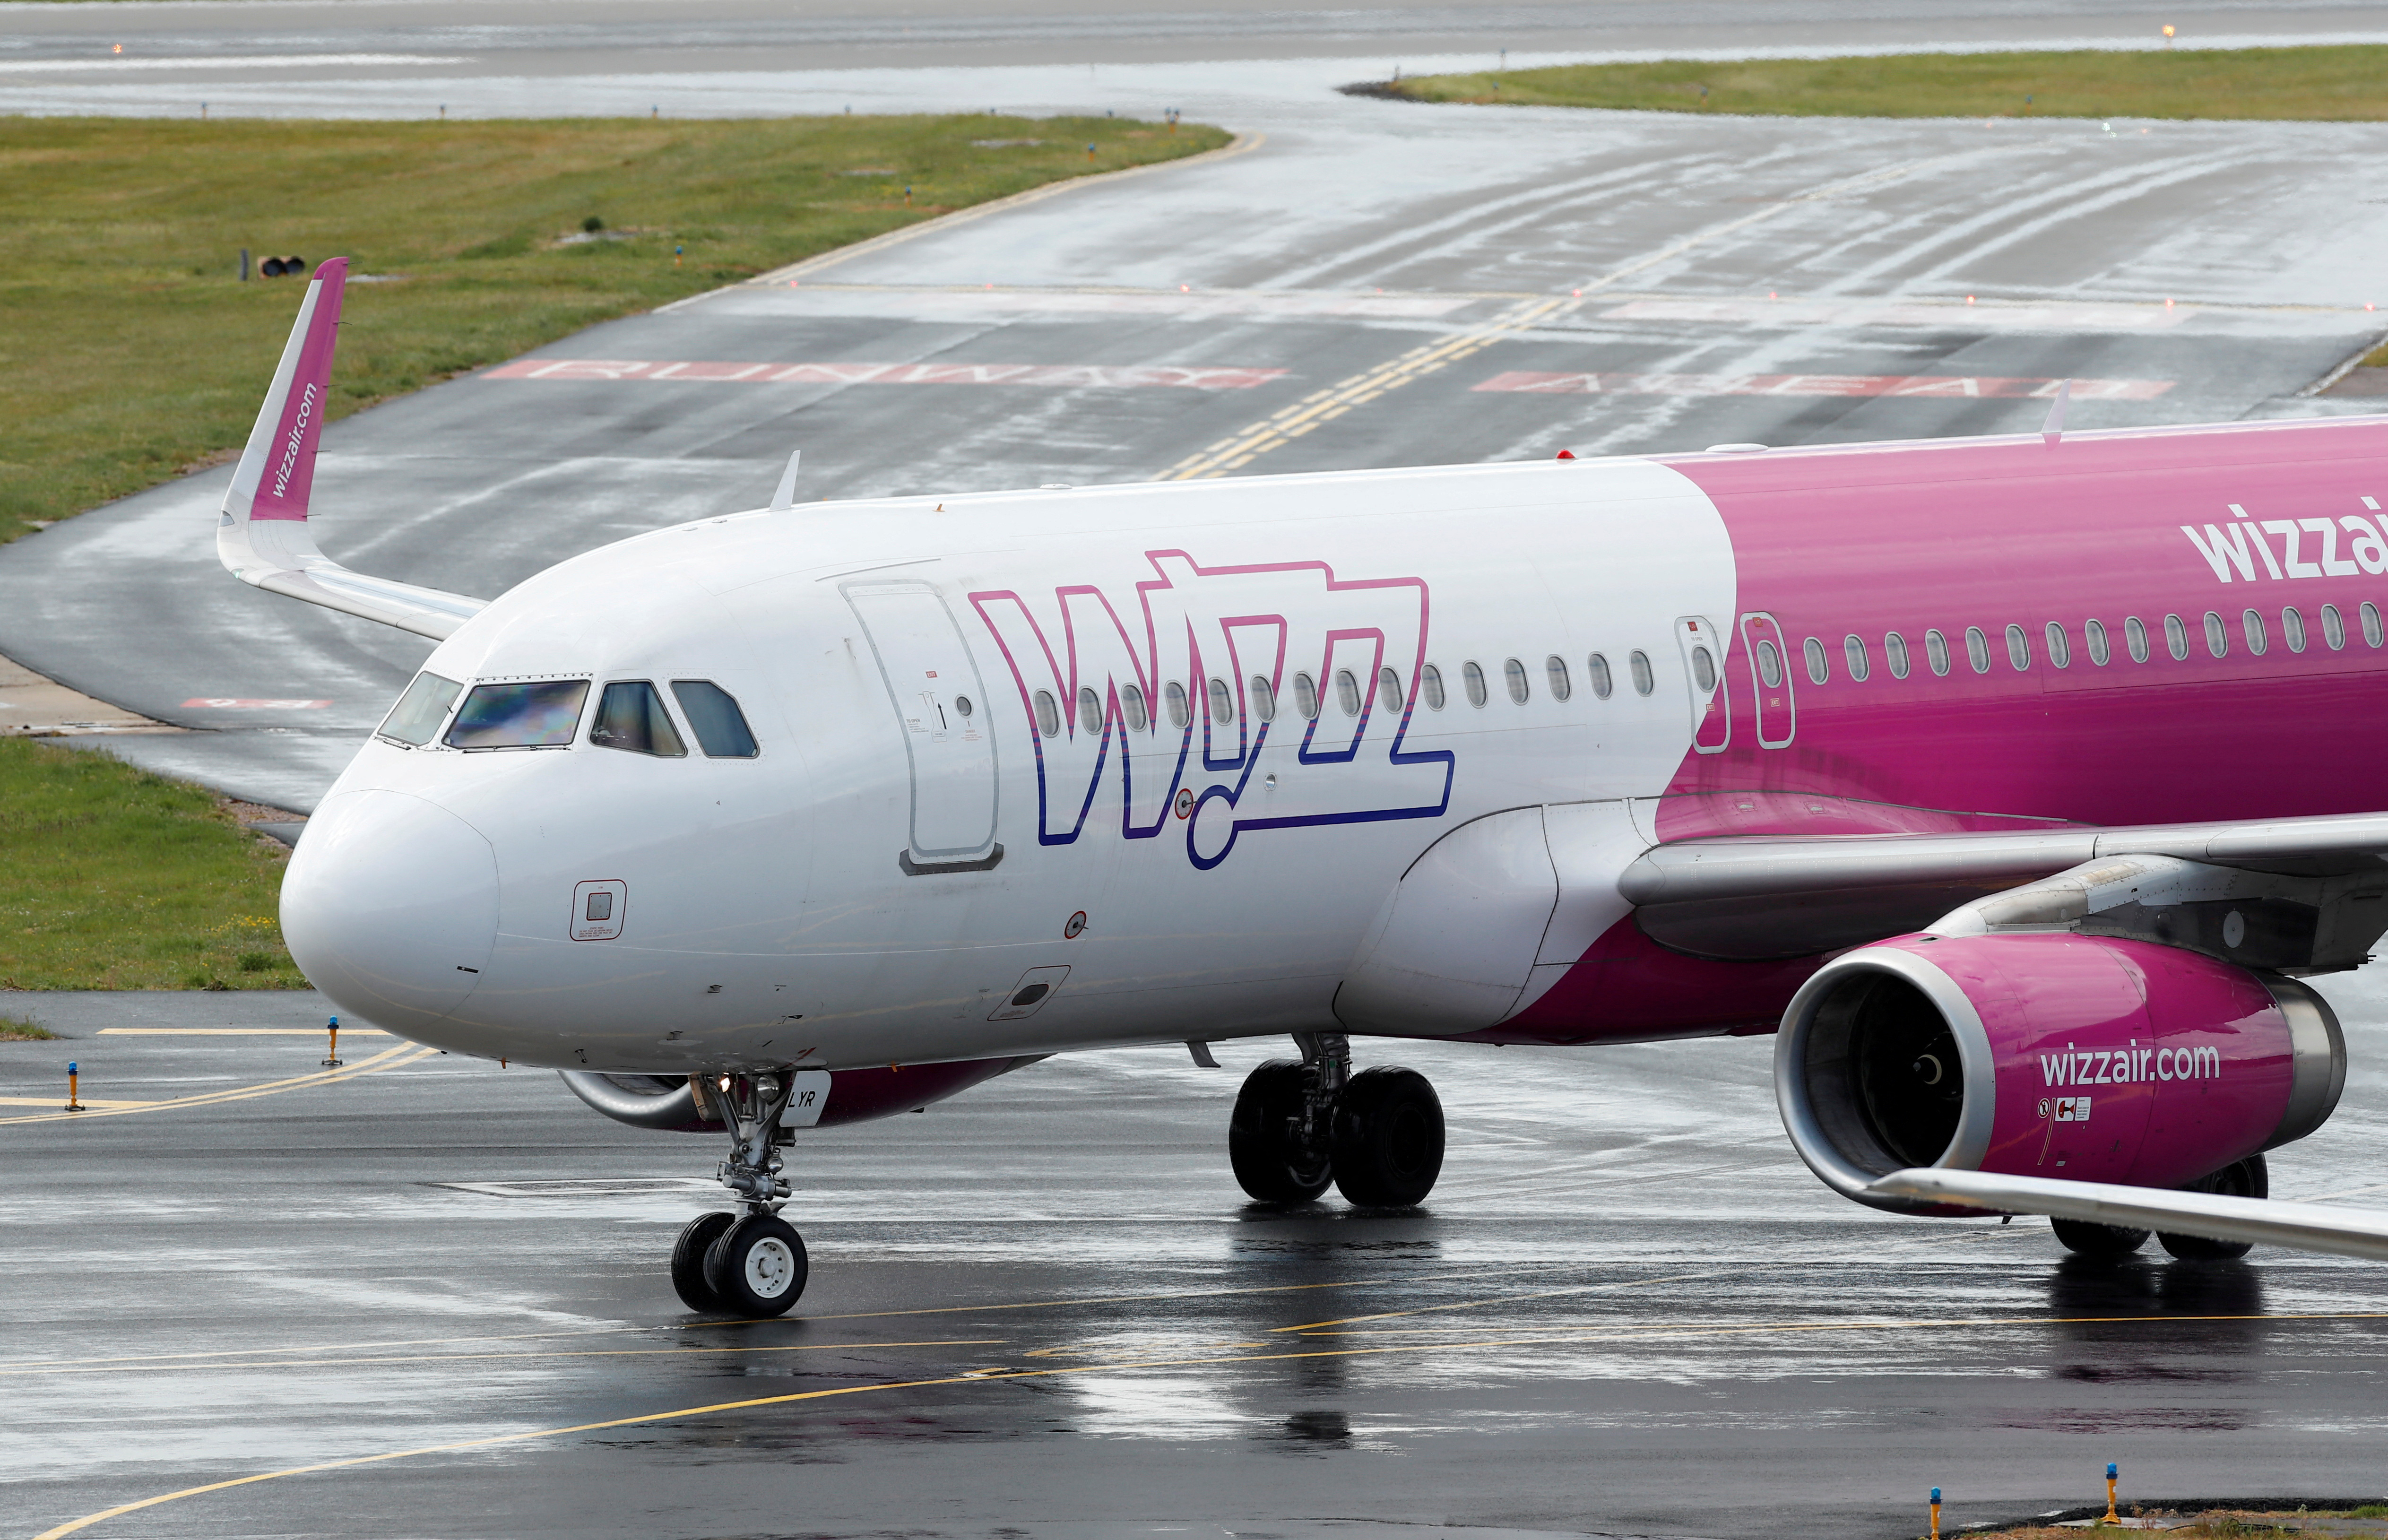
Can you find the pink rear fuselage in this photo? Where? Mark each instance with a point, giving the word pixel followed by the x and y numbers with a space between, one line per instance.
pixel 1910 537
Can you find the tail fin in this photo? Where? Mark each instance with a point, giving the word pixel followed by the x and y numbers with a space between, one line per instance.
pixel 263 537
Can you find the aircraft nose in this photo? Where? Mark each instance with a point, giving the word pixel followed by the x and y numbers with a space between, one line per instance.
pixel 390 906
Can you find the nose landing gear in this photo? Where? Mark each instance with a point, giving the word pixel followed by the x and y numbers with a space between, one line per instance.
pixel 751 1262
pixel 1300 1123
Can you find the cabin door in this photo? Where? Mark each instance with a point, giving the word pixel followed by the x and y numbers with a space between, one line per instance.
pixel 1773 707
pixel 942 708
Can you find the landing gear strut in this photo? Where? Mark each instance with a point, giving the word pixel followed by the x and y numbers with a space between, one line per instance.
pixel 751 1262
pixel 1300 1123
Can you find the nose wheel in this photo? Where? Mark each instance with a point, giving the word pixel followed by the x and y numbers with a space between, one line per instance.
pixel 752 1263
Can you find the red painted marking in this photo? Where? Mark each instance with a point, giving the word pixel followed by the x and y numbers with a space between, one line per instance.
pixel 1102 376
pixel 1958 386
pixel 230 703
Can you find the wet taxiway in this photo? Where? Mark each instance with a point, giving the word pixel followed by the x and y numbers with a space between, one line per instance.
pixel 426 1296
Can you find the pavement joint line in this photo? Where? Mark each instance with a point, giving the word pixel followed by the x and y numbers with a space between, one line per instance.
pixel 1242 144
pixel 986 1376
pixel 238 1032
pixel 488 1357
pixel 386 1058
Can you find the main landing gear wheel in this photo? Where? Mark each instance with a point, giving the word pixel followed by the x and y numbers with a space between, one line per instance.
pixel 758 1267
pixel 2084 1238
pixel 1273 1162
pixel 1387 1144
pixel 2246 1179
pixel 688 1261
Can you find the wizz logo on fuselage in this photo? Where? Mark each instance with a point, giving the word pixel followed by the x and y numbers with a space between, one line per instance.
pixel 1233 639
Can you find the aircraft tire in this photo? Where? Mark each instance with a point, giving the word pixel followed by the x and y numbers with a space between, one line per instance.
pixel 1388 1139
pixel 1269 1165
pixel 2246 1179
pixel 757 1267
pixel 696 1238
pixel 2084 1238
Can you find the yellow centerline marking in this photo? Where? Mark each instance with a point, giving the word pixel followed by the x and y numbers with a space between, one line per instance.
pixel 388 1058
pixel 238 1032
pixel 1239 449
pixel 985 1376
pixel 55 1102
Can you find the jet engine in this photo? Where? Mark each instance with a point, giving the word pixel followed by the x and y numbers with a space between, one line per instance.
pixel 669 1102
pixel 2091 1058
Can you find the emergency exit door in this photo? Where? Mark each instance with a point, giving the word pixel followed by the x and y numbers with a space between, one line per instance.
pixel 941 707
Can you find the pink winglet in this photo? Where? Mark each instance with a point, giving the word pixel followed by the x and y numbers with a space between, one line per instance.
pixel 289 471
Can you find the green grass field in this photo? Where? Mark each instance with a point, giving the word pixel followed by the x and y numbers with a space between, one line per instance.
pixel 2334 84
pixel 130 349
pixel 112 878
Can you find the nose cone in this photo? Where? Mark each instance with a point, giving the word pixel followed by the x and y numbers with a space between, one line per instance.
pixel 390 906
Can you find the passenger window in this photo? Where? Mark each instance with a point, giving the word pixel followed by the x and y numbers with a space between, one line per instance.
pixel 2176 637
pixel 1049 715
pixel 1820 668
pixel 519 716
pixel 714 717
pixel 631 715
pixel 2135 637
pixel 1894 652
pixel 2094 633
pixel 1090 710
pixel 1223 703
pixel 1638 665
pixel 1597 666
pixel 1431 685
pixel 2218 640
pixel 1703 672
pixel 1473 677
pixel 2060 647
pixel 1347 692
pixel 2292 629
pixel 1173 694
pixel 2018 648
pixel 2334 628
pixel 1515 673
pixel 1978 649
pixel 1132 702
pixel 1554 668
pixel 1389 690
pixel 1854 650
pixel 963 705
pixel 1936 652
pixel 420 711
pixel 1770 665
pixel 1305 695
pixel 1264 698
pixel 2258 639
pixel 2370 624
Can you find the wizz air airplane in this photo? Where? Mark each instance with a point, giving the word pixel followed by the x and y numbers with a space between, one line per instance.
pixel 2012 782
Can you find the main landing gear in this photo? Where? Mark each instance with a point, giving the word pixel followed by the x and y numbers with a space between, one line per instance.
pixel 2245 1179
pixel 751 1262
pixel 1300 1124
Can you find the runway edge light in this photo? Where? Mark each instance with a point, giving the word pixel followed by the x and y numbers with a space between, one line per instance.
pixel 74 1102
pixel 1936 1513
pixel 2110 1493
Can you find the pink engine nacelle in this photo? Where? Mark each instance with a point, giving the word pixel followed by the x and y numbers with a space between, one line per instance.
pixel 2088 1058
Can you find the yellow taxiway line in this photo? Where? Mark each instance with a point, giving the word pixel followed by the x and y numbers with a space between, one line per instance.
pixel 236 1032
pixel 990 1375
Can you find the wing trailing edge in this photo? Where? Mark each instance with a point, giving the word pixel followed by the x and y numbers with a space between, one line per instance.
pixel 2260 1221
pixel 263 537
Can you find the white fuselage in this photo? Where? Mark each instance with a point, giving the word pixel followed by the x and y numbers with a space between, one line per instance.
pixel 879 881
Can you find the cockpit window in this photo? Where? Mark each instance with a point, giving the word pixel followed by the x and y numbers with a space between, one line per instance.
pixel 630 715
pixel 720 726
pixel 420 711
pixel 519 716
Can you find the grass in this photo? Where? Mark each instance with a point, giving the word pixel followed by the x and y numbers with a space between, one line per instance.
pixel 2326 85
pixel 17 1029
pixel 130 349
pixel 112 878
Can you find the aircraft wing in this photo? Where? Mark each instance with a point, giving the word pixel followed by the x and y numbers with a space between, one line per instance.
pixel 263 537
pixel 1794 895
pixel 2262 1221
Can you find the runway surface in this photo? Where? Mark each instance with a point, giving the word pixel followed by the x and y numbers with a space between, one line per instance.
pixel 1361 283
pixel 1044 1308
